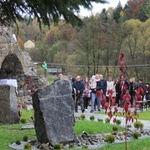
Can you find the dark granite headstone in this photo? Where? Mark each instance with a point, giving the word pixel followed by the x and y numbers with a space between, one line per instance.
pixel 54 113
pixel 8 105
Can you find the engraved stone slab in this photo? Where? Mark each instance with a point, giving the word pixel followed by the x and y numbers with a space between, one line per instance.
pixel 54 113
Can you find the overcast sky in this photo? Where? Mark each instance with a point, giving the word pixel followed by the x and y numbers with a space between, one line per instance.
pixel 97 8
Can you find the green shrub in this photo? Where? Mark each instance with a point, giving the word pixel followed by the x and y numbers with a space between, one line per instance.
pixel 85 147
pixel 18 142
pixel 118 122
pixel 100 120
pixel 138 124
pixel 136 135
pixel 23 120
pixel 25 138
pixel 129 126
pixel 82 116
pixel 57 146
pixel 107 120
pixel 115 128
pixel 92 118
pixel 27 146
pixel 142 125
pixel 71 146
pixel 110 138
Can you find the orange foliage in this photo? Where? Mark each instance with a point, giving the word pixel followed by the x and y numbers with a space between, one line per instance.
pixel 134 7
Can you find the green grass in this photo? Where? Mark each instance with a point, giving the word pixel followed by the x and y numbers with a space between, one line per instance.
pixel 144 115
pixel 11 133
pixel 93 127
pixel 51 78
pixel 141 144
pixel 27 114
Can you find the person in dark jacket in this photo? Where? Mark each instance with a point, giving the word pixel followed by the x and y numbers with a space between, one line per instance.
pixel 123 87
pixel 117 88
pixel 147 93
pixel 135 86
pixel 131 91
pixel 143 91
pixel 78 85
pixel 103 83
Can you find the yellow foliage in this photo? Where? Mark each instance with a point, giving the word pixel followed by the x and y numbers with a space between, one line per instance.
pixel 122 14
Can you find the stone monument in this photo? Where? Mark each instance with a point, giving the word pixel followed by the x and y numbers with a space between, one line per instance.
pixel 8 105
pixel 54 113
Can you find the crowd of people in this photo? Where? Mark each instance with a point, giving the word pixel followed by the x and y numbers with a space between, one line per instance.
pixel 95 91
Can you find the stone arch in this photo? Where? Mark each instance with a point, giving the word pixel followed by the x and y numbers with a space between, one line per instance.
pixel 12 61
pixel 11 67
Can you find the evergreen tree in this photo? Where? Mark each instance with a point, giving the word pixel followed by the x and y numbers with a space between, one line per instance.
pixel 45 10
pixel 117 11
pixel 103 16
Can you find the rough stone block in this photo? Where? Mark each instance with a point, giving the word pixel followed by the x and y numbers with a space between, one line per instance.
pixel 8 105
pixel 54 113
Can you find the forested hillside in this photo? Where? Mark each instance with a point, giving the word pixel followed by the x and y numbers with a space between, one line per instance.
pixel 95 46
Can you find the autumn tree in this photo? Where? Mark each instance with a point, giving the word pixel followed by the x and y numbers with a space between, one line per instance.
pixel 84 46
pixel 136 9
pixel 41 53
pixel 61 32
pixel 98 43
pixel 59 47
pixel 136 45
pixel 30 31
